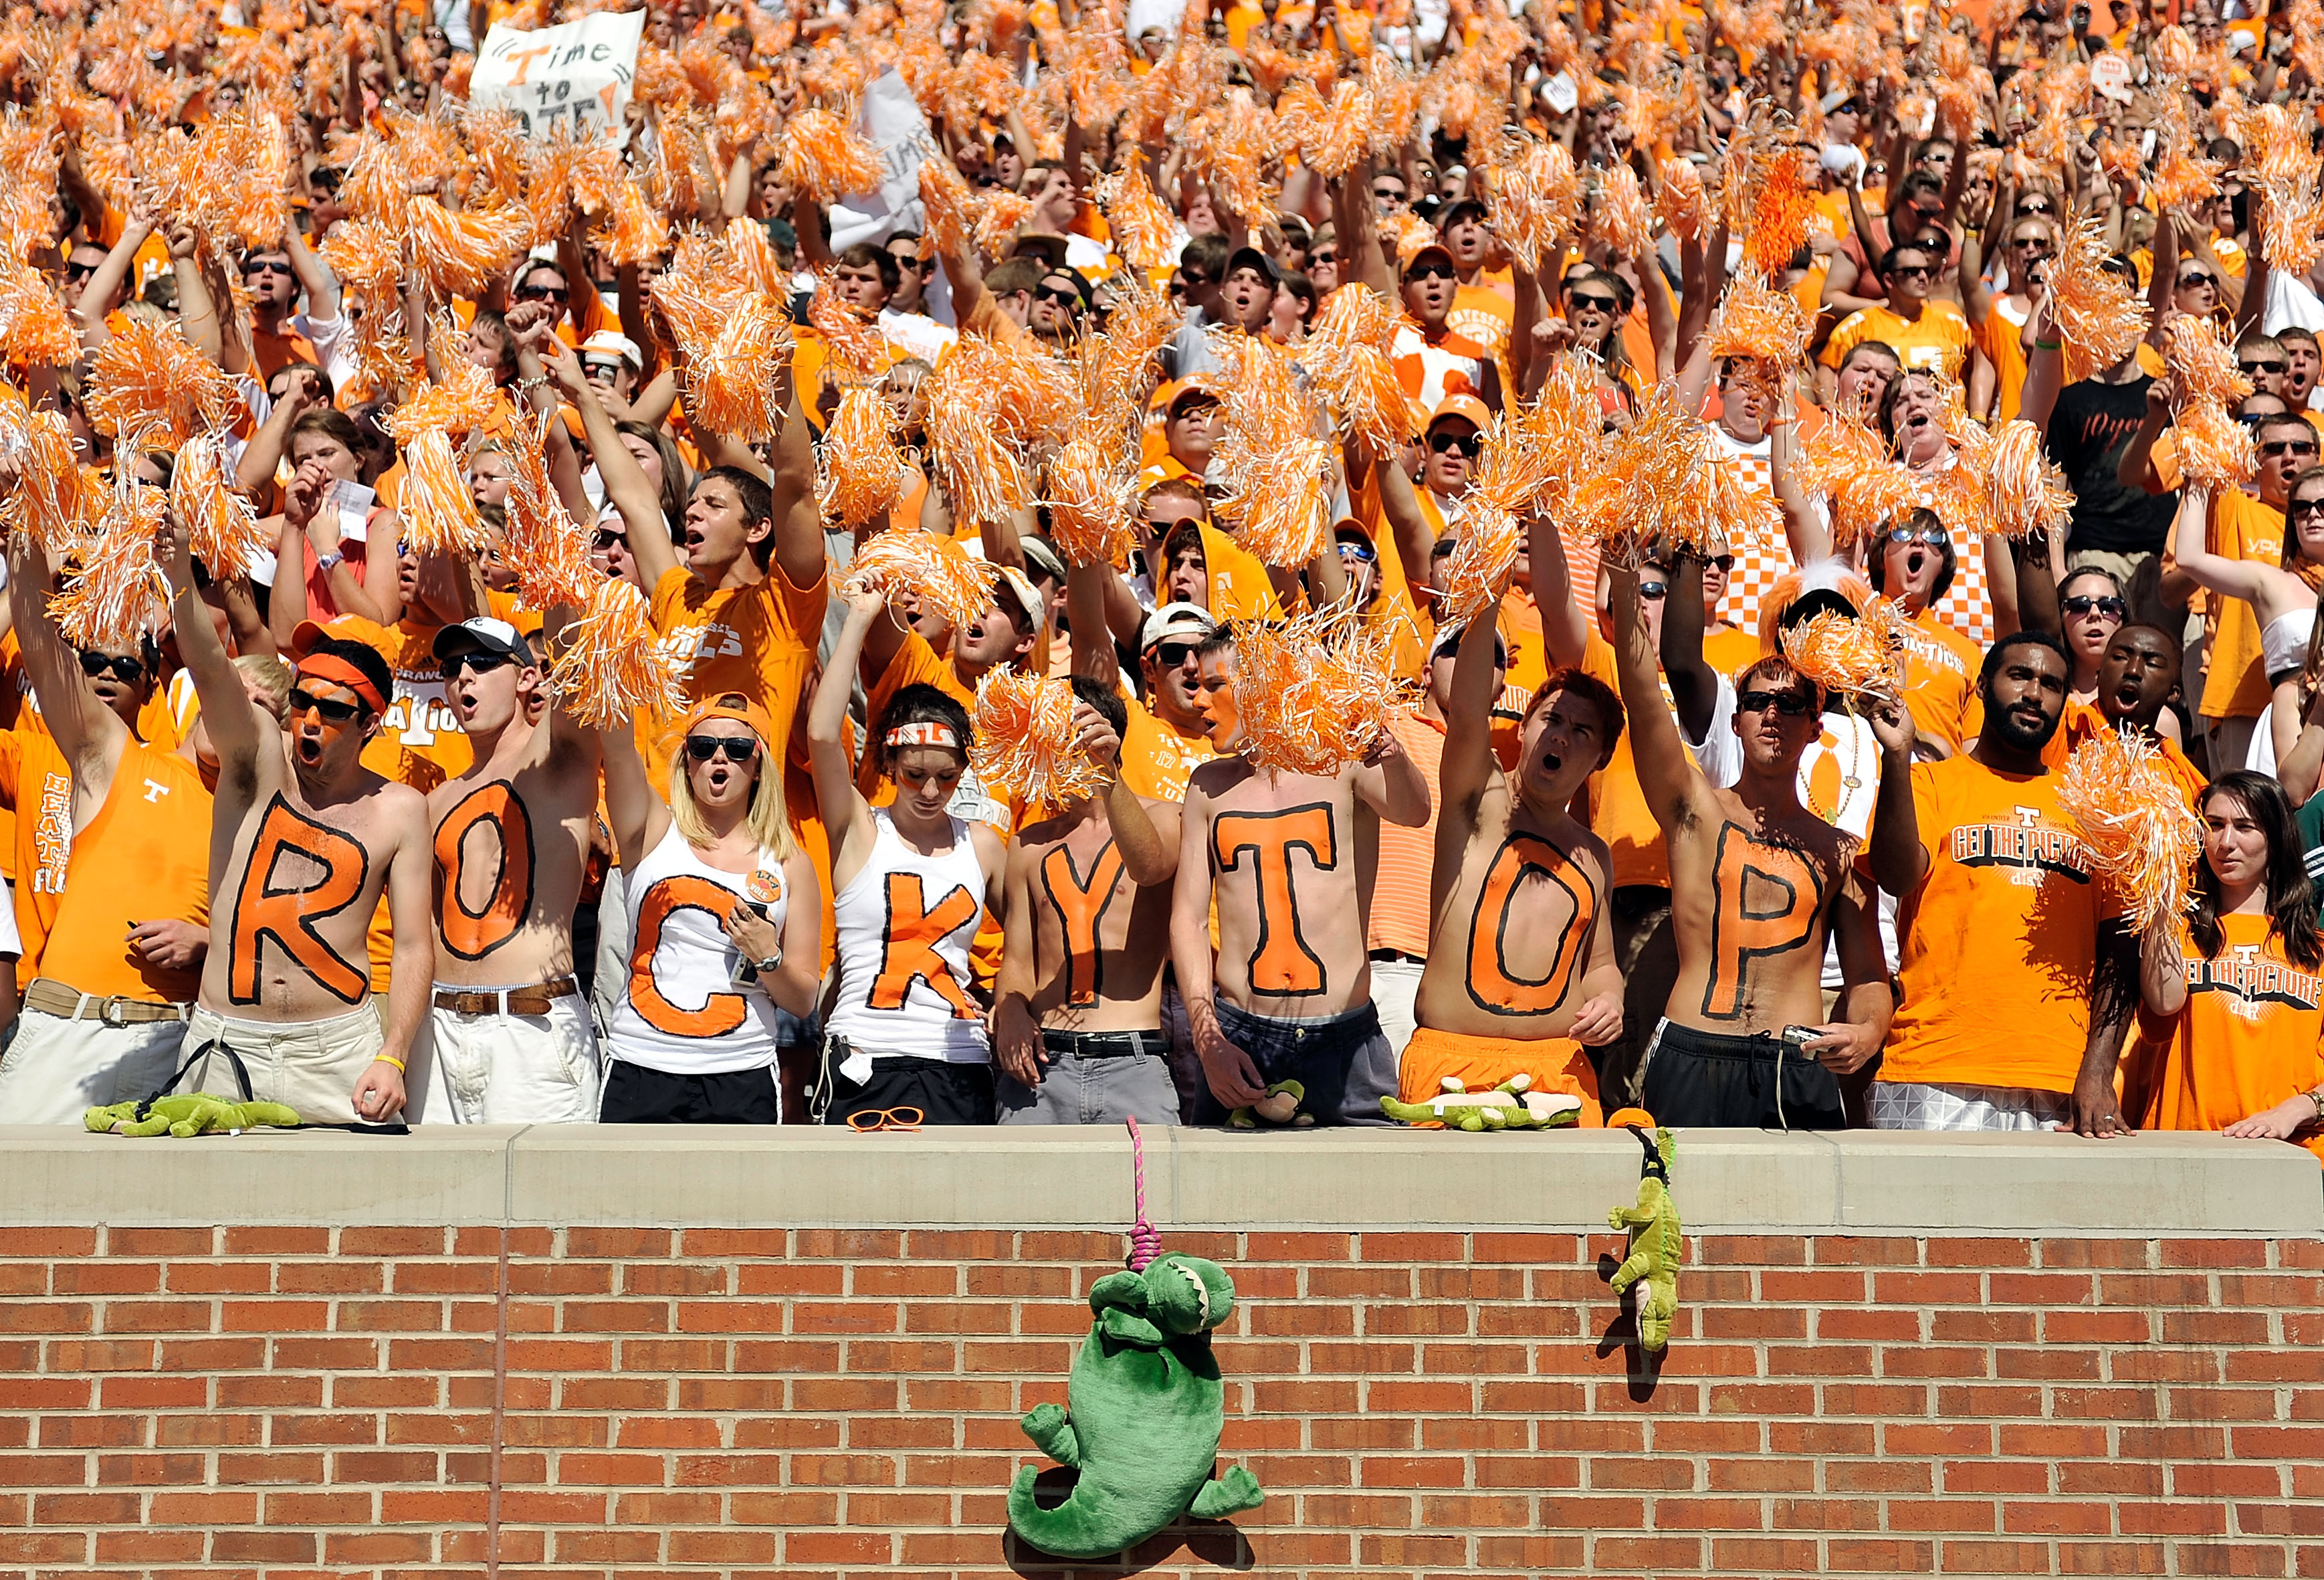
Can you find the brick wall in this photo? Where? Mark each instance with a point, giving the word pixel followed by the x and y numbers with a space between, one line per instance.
pixel 254 1401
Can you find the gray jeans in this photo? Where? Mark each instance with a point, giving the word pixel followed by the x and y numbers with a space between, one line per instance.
pixel 1086 1081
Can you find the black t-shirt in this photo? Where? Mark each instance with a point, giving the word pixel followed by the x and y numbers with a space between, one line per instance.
pixel 2090 427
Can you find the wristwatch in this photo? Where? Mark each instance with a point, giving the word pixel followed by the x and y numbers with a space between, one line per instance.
pixel 768 965
pixel 326 563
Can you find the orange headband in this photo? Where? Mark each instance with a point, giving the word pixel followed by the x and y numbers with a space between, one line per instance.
pixel 331 668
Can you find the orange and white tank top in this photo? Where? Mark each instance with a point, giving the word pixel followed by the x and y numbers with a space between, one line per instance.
pixel 905 925
pixel 682 1011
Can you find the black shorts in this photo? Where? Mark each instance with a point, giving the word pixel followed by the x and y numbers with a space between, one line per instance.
pixel 635 1095
pixel 945 1093
pixel 1750 1082
pixel 1344 1062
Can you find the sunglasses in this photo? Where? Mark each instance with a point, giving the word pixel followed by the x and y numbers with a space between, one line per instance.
pixel 2113 608
pixel 482 663
pixel 1654 591
pixel 1933 536
pixel 1430 272
pixel 125 669
pixel 2264 368
pixel 2303 507
pixel 1912 272
pixel 80 271
pixel 1388 194
pixel 265 266
pixel 1068 299
pixel 1169 655
pixel 908 260
pixel 606 538
pixel 1323 257
pixel 1363 552
pixel 2189 281
pixel 2033 206
pixel 333 712
pixel 1720 562
pixel 738 749
pixel 1593 302
pixel 1472 445
pixel 2027 241
pixel 2281 446
pixel 544 293
pixel 1789 704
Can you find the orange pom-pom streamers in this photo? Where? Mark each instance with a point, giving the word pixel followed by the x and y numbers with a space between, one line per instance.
pixel 633 233
pixel 2099 316
pixel 735 345
pixel 1764 327
pixel 543 544
pixel 439 513
pixel 1844 654
pixel 1090 491
pixel 936 573
pixel 746 242
pixel 2028 494
pixel 1316 692
pixel 1779 218
pixel 1536 200
pixel 1348 361
pixel 949 205
pixel 1621 217
pixel 1026 746
pixel 855 343
pixel 610 667
pixel 862 471
pixel 2202 364
pixel 1661 479
pixel 1277 470
pixel 464 253
pixel 1143 230
pixel 2141 835
pixel 33 329
pixel 1000 215
pixel 1680 202
pixel 120 594
pixel 46 502
pixel 1345 135
pixel 2215 450
pixel 221 528
pixel 823 157
pixel 148 381
pixel 1479 571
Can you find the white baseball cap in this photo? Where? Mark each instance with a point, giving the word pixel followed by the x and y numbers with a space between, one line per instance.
pixel 1179 619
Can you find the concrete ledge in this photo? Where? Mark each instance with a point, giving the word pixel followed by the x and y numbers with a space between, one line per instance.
pixel 1728 1181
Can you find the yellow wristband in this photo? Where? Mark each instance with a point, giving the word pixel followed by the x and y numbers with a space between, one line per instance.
pixel 389 1058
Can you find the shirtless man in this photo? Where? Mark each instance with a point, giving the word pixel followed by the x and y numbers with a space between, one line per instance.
pixel 1077 1021
pixel 1756 881
pixel 1291 994
pixel 1521 974
pixel 303 841
pixel 509 1039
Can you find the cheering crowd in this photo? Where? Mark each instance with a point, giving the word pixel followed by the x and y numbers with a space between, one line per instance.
pixel 1754 562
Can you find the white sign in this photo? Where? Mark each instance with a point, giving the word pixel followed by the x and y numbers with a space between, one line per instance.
pixel 576 75
pixel 891 123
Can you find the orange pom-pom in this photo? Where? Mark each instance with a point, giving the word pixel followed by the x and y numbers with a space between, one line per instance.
pixel 465 252
pixel 440 512
pixel 2142 835
pixel 997 217
pixel 1763 327
pixel 2029 495
pixel 1482 560
pixel 633 233
pixel 735 346
pixel 610 667
pixel 46 503
pixel 542 543
pixel 150 382
pixel 936 573
pixel 862 472
pixel 823 157
pixel 948 204
pixel 2215 450
pixel 1536 199
pixel 2202 364
pixel 746 242
pixel 1090 491
pixel 35 332
pixel 1316 692
pixel 854 342
pixel 1620 215
pixel 2099 316
pixel 1026 746
pixel 1277 471
pixel 1661 479
pixel 368 259
pixel 1345 135
pixel 1842 653
pixel 1348 359
pixel 2172 52
pixel 1144 232
pixel 1680 201
pixel 120 594
pixel 221 528
pixel 1779 218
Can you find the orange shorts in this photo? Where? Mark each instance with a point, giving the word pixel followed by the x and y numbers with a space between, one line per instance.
pixel 1556 1064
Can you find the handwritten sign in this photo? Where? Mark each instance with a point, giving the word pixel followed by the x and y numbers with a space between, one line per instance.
pixel 891 123
pixel 576 74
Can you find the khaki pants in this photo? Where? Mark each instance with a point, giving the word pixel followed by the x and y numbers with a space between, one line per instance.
pixel 309 1066
pixel 56 1070
pixel 505 1068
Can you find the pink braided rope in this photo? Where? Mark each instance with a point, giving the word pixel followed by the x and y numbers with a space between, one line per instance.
pixel 1145 1241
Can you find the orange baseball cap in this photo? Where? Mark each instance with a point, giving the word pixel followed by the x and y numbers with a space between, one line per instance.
pixel 1467 408
pixel 731 704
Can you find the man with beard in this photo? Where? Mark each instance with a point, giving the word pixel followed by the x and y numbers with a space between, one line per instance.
pixel 2015 989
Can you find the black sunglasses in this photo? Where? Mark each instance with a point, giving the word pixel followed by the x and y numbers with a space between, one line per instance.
pixel 1169 655
pixel 2033 206
pixel 81 271
pixel 1471 445
pixel 1327 257
pixel 1789 704
pixel 1431 271
pixel 606 538
pixel 1910 271
pixel 2281 447
pixel 2263 368
pixel 2085 603
pixel 737 748
pixel 332 711
pixel 1071 298
pixel 265 266
pixel 1591 300
pixel 544 293
pixel 481 662
pixel 2189 281
pixel 127 669
pixel 1720 562
pixel 2303 507
pixel 1654 591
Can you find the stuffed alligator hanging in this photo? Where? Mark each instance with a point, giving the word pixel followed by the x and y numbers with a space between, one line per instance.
pixel 190 1113
pixel 1144 1409
pixel 1656 1240
pixel 1507 1106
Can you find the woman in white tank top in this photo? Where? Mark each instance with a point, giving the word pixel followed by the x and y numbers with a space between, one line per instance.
pixel 2282 595
pixel 910 885
pixel 726 920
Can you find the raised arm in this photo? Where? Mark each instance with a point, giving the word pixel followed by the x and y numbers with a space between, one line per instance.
pixel 315 276
pixel 227 712
pixel 1564 627
pixel 1672 787
pixel 2247 579
pixel 90 734
pixel 633 808
pixel 1693 684
pixel 844 812
pixel 1899 861
pixel 1467 765
pixel 798 516
pixel 625 481
pixel 103 291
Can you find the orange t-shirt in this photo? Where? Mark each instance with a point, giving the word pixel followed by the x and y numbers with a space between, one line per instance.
pixel 274 352
pixel 1998 943
pixel 1408 856
pixel 2082 720
pixel 2251 1035
pixel 144 856
pixel 1158 758
pixel 2000 337
pixel 1618 803
pixel 759 640
pixel 1941 668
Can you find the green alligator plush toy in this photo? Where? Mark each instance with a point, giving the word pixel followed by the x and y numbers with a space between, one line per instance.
pixel 1280 1106
pixel 188 1114
pixel 1144 1409
pixel 1656 1240
pixel 1507 1106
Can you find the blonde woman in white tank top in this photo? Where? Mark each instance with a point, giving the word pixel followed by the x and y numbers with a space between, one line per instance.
pixel 906 1035
pixel 725 923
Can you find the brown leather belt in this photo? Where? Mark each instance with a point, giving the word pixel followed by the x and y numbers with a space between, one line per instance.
pixel 535 1000
pixel 51 997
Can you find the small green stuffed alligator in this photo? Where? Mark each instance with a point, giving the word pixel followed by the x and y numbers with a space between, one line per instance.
pixel 187 1114
pixel 1280 1106
pixel 1144 1409
pixel 1656 1240
pixel 1507 1106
